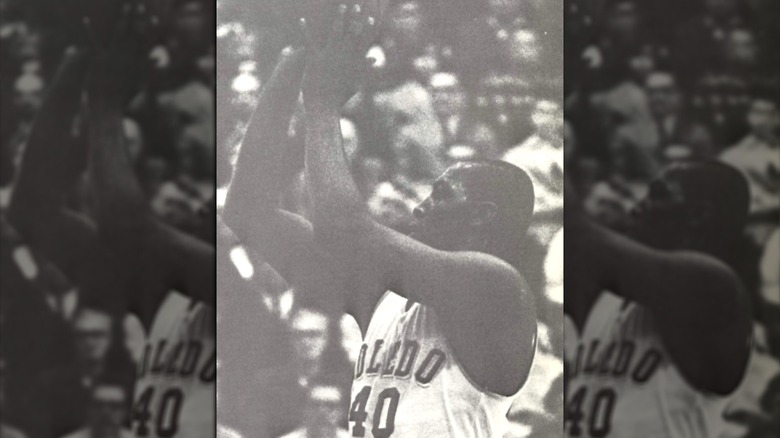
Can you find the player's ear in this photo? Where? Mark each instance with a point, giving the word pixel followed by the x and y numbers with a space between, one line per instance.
pixel 484 213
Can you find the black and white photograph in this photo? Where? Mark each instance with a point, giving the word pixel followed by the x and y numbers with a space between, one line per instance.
pixel 672 255
pixel 107 207
pixel 390 211
pixel 345 218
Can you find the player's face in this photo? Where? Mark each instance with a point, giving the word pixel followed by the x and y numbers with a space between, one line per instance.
pixel 444 217
pixel 660 215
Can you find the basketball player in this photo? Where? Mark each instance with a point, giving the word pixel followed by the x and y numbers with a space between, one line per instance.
pixel 127 261
pixel 449 326
pixel 658 332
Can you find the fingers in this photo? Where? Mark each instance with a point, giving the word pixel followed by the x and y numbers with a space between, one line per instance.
pixel 354 25
pixel 368 34
pixel 304 33
pixel 137 26
pixel 355 22
pixel 337 28
pixel 125 20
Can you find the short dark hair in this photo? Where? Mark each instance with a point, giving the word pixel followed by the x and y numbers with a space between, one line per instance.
pixel 719 185
pixel 507 186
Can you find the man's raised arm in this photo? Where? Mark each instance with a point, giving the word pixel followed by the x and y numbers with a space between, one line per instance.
pixel 161 257
pixel 52 163
pixel 264 167
pixel 697 302
pixel 480 301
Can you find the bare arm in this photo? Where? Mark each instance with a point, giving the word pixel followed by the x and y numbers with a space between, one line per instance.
pixel 697 303
pixel 263 169
pixel 480 301
pixel 53 161
pixel 161 257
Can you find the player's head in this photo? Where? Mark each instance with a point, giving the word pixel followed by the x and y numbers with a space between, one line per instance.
pixel 474 204
pixel 694 205
pixel 93 330
pixel 107 407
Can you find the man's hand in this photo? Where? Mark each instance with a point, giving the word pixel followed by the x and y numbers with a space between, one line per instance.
pixel 121 65
pixel 335 71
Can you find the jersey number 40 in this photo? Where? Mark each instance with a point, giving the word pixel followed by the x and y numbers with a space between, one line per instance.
pixel 387 401
pixel 599 419
pixel 167 416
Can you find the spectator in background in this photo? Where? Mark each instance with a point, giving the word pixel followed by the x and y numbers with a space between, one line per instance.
pixel 106 413
pixel 625 183
pixel 310 337
pixel 482 141
pixel 412 131
pixel 619 39
pixel 750 410
pixel 58 403
pixel 723 93
pixel 541 156
pixel 681 137
pixel 756 154
pixel 770 292
pixel 699 42
pixel 405 37
pixel 505 102
pixel 449 104
pixel 325 408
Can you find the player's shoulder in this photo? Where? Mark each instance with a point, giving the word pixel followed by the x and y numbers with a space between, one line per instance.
pixel 491 267
pixel 706 266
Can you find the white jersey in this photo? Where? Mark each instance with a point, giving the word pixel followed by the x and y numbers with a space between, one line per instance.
pixel 409 384
pixel 175 386
pixel 622 383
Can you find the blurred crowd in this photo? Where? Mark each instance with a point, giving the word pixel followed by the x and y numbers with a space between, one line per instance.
pixel 68 370
pixel 450 81
pixel 651 83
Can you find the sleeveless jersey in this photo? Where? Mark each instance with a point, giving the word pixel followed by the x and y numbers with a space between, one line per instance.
pixel 175 385
pixel 622 383
pixel 408 383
